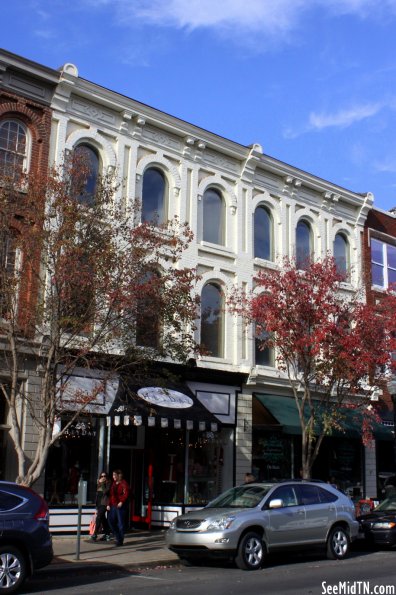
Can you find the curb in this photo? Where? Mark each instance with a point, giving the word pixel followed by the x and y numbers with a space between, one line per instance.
pixel 84 566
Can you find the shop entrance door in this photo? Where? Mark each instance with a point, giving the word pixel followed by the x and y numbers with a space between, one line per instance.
pixel 130 461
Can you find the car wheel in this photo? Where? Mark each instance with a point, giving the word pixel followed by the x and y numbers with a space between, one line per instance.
pixel 12 569
pixel 251 552
pixel 338 543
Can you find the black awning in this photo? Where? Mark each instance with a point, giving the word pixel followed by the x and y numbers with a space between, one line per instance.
pixel 171 406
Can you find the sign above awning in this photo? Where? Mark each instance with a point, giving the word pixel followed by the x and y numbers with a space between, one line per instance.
pixel 86 390
pixel 172 406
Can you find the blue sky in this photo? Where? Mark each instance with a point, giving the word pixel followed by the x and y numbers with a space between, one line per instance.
pixel 312 81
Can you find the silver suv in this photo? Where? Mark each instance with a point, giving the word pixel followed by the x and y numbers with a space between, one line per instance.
pixel 251 520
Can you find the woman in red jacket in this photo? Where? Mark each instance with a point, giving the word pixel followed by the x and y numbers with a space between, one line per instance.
pixel 117 506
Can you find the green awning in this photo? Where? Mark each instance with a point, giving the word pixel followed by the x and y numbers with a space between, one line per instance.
pixel 284 410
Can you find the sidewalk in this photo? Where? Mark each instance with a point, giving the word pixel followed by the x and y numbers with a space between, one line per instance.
pixel 141 549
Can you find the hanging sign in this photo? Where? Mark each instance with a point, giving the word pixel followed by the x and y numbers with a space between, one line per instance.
pixel 165 397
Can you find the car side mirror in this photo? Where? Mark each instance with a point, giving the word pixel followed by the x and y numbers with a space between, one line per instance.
pixel 276 503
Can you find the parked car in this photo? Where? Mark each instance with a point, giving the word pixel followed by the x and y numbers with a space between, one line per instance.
pixel 25 540
pixel 379 525
pixel 249 521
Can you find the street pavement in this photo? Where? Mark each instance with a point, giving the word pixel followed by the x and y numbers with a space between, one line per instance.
pixel 141 549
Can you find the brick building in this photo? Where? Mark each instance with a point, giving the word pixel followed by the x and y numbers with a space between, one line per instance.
pixel 26 90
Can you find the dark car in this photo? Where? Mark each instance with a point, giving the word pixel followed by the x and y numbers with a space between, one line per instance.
pixel 25 540
pixel 379 525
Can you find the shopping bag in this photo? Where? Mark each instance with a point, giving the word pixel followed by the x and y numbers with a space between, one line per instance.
pixel 92 524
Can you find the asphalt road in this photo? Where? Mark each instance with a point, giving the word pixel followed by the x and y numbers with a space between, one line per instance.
pixel 364 573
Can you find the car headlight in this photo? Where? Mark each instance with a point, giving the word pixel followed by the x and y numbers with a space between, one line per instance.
pixel 384 525
pixel 220 524
pixel 173 524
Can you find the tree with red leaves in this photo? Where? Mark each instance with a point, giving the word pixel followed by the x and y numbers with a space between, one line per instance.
pixel 333 348
pixel 84 284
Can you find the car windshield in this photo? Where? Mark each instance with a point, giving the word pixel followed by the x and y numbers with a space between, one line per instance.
pixel 245 496
pixel 387 504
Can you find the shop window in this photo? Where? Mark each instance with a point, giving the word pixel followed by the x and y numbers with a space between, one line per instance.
pixel 86 157
pixel 304 251
pixel 383 264
pixel 169 456
pixel 13 148
pixel 154 196
pixel 73 456
pixel 213 217
pixel 263 234
pixel 212 320
pixel 341 255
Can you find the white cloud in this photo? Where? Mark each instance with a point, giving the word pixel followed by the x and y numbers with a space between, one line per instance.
pixel 387 165
pixel 343 118
pixel 273 17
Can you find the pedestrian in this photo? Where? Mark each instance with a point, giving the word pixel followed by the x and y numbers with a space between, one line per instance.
pixel 249 478
pixel 117 506
pixel 103 486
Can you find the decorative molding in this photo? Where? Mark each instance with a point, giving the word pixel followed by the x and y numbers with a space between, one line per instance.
pixel 169 169
pixel 253 159
pixel 161 138
pixel 291 186
pixel 330 199
pixel 92 111
pixel 91 135
pixel 220 161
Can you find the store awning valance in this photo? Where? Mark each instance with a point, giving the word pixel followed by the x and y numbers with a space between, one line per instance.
pixel 173 406
pixel 284 410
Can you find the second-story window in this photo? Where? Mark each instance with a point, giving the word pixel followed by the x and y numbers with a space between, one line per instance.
pixel 383 264
pixel 8 279
pixel 264 355
pixel 148 322
pixel 213 217
pixel 304 250
pixel 154 196
pixel 87 158
pixel 13 148
pixel 341 255
pixel 263 234
pixel 212 320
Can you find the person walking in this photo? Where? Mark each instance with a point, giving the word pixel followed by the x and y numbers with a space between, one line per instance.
pixel 102 500
pixel 117 506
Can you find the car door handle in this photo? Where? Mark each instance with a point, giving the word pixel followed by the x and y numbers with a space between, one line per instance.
pixel 301 511
pixel 331 508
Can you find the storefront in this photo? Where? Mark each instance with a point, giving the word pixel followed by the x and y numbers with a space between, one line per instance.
pixel 277 446
pixel 174 443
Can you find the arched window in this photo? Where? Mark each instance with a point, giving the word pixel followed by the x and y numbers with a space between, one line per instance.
pixel 303 245
pixel 341 255
pixel 154 196
pixel 87 157
pixel 213 217
pixel 13 148
pixel 212 320
pixel 263 234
